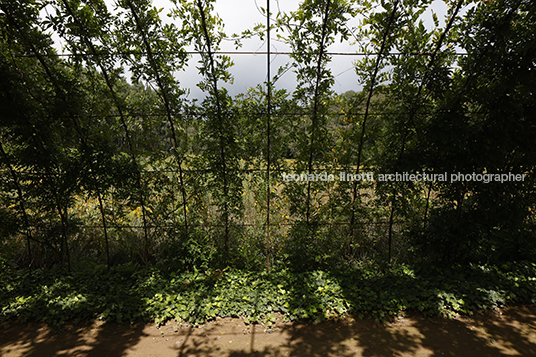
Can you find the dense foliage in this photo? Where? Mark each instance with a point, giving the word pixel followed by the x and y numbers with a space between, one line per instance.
pixel 129 294
pixel 105 161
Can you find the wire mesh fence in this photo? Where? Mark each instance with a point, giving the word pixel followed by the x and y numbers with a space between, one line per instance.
pixel 95 165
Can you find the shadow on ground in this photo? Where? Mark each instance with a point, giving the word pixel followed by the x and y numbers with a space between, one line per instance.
pixel 510 332
pixel 88 340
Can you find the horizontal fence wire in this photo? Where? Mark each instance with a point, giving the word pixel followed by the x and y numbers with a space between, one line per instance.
pixel 227 53
pixel 276 115
pixel 91 226
pixel 331 168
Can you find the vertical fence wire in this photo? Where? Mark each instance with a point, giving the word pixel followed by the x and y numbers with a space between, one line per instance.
pixel 268 119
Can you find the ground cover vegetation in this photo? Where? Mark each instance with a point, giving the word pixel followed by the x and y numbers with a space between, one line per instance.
pixel 125 199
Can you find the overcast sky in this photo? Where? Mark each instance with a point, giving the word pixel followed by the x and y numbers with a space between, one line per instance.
pixel 251 70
